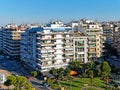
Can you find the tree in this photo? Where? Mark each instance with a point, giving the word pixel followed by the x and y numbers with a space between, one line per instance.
pixel 34 73
pixel 75 65
pixel 11 80
pixel 20 82
pixel 7 83
pixel 28 86
pixel 105 69
pixel 49 81
pixel 53 71
pixel 67 71
pixel 61 70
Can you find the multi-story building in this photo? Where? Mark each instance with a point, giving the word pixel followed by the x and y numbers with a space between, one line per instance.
pixel 11 40
pixel 95 39
pixel 56 45
pixel 108 32
pixel 116 39
pixel 52 46
pixel 1 37
pixel 80 49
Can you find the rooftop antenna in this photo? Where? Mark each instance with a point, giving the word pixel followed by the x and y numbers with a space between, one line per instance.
pixel 12 19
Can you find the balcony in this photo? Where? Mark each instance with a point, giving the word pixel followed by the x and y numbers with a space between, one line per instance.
pixel 81 52
pixel 59 53
pixel 92 53
pixel 58 48
pixel 58 58
pixel 68 53
pixel 66 49
pixel 46 60
pixel 80 46
pixel 38 37
pixel 47 44
pixel 58 42
pixel 58 37
pixel 50 38
pixel 54 65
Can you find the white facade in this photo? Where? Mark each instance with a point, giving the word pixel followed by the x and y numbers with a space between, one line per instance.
pixel 80 49
pixel 48 47
pixel 95 39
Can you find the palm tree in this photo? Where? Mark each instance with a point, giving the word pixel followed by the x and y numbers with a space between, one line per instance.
pixel 75 65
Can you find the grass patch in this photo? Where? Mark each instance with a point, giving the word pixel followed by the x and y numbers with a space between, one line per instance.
pixel 78 83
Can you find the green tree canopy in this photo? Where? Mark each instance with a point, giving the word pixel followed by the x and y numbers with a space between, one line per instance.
pixel 34 73
pixel 105 69
pixel 75 65
pixel 20 82
pixel 53 71
pixel 10 81
pixel 28 86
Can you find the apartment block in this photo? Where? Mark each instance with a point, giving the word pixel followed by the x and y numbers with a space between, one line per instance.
pixel 1 39
pixel 116 39
pixel 11 40
pixel 52 46
pixel 80 49
pixel 95 38
pixel 108 29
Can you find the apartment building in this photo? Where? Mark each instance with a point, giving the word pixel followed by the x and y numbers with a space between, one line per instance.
pixel 95 38
pixel 1 44
pixel 116 39
pixel 11 40
pixel 80 49
pixel 108 29
pixel 52 46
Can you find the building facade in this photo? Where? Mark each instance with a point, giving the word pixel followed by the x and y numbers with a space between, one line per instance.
pixel 11 40
pixel 108 32
pixel 1 39
pixel 52 46
pixel 95 38
pixel 56 44
pixel 116 39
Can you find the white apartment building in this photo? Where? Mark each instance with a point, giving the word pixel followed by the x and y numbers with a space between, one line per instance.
pixel 52 46
pixel 95 39
pixel 80 49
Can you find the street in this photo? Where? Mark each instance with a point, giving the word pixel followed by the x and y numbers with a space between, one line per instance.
pixel 16 69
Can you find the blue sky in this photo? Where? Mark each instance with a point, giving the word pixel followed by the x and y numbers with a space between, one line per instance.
pixel 40 11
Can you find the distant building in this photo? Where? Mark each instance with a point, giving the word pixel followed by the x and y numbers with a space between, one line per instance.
pixel 108 32
pixel 116 39
pixel 11 40
pixel 1 39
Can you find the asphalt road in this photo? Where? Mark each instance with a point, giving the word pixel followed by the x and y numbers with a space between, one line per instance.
pixel 17 69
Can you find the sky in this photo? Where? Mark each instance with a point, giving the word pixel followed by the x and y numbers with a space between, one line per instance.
pixel 42 11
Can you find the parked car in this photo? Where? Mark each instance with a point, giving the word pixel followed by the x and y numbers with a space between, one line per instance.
pixel 46 85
